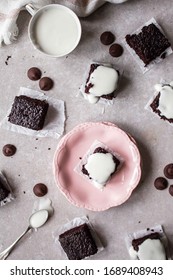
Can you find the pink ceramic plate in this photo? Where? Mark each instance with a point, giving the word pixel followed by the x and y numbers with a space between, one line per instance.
pixel 79 191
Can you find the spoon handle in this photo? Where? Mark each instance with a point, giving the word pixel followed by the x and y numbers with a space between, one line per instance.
pixel 7 251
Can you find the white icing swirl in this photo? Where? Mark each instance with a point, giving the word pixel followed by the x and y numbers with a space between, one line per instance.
pixel 100 167
pixel 150 249
pixel 104 80
pixel 165 100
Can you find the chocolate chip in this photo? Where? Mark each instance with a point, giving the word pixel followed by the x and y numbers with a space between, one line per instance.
pixel 116 50
pixel 168 171
pixel 45 83
pixel 40 189
pixel 34 74
pixel 9 150
pixel 107 38
pixel 160 183
pixel 171 190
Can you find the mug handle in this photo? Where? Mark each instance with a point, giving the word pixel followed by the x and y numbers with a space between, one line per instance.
pixel 31 9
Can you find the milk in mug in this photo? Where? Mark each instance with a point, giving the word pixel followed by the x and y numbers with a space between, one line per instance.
pixel 56 30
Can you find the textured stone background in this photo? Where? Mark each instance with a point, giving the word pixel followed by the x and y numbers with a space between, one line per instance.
pixel 33 161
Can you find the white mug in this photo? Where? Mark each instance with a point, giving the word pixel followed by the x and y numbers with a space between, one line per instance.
pixel 54 30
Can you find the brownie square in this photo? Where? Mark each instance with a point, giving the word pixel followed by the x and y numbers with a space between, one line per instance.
pixel 154 106
pixel 28 112
pixel 104 151
pixel 149 44
pixel 3 191
pixel 139 241
pixel 78 242
pixel 90 83
pixel 156 250
pixel 157 100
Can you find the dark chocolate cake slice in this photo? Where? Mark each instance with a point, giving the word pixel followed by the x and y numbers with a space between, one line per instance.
pixel 3 191
pixel 155 107
pixel 102 150
pixel 28 112
pixel 149 44
pixel 139 241
pixel 78 242
pixel 93 67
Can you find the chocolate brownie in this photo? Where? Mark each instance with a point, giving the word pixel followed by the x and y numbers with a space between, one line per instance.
pixel 78 242
pixel 155 104
pixel 102 150
pixel 28 112
pixel 139 241
pixel 88 86
pixel 149 44
pixel 3 191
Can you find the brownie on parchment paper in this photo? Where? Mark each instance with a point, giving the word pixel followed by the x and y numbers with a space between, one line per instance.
pixel 78 242
pixel 149 44
pixel 28 112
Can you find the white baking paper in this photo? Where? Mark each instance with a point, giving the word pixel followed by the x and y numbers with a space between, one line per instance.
pixel 54 121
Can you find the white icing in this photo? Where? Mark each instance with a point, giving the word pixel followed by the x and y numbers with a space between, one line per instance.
pixel 56 31
pixel 92 99
pixel 100 167
pixel 150 249
pixel 166 101
pixel 44 203
pixel 133 253
pixel 39 218
pixel 158 87
pixel 104 80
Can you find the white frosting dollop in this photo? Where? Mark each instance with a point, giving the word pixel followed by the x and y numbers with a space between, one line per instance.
pixel 165 100
pixel 100 166
pixel 104 80
pixel 150 249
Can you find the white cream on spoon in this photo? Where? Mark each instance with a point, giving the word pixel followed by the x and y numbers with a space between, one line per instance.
pixel 39 218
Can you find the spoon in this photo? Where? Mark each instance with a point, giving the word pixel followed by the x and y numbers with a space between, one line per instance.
pixel 36 220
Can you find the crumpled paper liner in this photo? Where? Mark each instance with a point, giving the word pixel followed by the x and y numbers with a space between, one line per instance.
pixel 74 223
pixel 144 68
pixel 144 232
pixel 54 121
pixel 84 160
pixel 6 184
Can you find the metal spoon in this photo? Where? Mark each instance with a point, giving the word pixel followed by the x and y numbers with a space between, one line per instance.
pixel 36 220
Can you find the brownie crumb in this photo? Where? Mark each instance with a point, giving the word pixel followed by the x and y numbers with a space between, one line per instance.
pixel 7 59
